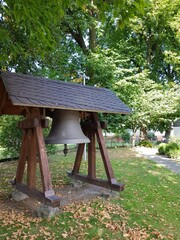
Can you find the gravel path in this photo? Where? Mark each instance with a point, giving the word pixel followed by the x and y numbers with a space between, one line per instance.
pixel 151 153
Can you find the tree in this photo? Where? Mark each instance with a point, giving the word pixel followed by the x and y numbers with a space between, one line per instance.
pixel 153 40
pixel 154 105
pixel 112 42
pixel 30 29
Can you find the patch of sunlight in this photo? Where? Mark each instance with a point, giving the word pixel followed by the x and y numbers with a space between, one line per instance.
pixel 138 155
pixel 161 165
pixel 171 179
pixel 154 172
pixel 133 163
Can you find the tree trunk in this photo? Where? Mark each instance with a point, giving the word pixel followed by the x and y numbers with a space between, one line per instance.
pixel 133 139
pixel 167 134
pixel 143 134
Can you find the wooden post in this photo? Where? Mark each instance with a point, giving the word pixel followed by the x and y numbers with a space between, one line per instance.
pixel 43 162
pixel 33 149
pixel 91 155
pixel 78 158
pixel 32 160
pixel 22 158
pixel 103 150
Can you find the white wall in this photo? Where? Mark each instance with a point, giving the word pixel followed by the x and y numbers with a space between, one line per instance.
pixel 175 132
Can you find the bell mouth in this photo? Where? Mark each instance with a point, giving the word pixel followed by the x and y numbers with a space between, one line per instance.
pixel 67 141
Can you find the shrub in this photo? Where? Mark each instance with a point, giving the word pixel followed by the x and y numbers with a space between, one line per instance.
pixel 175 139
pixel 174 153
pixel 162 148
pixel 146 143
pixel 172 149
pixel 125 135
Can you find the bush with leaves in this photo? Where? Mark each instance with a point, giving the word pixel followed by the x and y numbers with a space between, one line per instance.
pixel 162 148
pixel 10 135
pixel 146 143
pixel 125 135
pixel 171 149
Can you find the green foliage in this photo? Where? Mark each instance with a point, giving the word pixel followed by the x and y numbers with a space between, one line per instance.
pixel 175 139
pixel 171 149
pixel 157 35
pixel 30 29
pixel 162 148
pixel 10 135
pixel 125 135
pixel 154 105
pixel 103 66
pixel 174 153
pixel 146 143
pixel 150 135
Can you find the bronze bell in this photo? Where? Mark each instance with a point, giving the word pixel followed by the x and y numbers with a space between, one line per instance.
pixel 66 128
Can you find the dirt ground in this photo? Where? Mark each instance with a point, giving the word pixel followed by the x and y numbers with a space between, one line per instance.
pixel 68 194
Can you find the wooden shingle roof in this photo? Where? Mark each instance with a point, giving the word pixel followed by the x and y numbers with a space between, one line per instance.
pixel 33 91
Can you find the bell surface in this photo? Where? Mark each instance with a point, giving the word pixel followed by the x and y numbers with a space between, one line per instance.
pixel 66 128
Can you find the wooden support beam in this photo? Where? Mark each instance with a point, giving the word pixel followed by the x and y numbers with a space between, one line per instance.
pixel 104 152
pixel 43 161
pixel 29 123
pixel 33 150
pixel 33 123
pixel 22 158
pixel 91 154
pixel 98 182
pixel 32 161
pixel 51 200
pixel 78 158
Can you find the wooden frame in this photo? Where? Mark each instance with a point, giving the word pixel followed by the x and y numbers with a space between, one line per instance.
pixel 33 151
pixel 92 130
pixel 31 101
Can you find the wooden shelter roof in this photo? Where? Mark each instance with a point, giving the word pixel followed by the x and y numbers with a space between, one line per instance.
pixel 33 91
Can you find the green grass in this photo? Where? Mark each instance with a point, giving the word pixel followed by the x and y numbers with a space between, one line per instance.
pixel 1 153
pixel 148 208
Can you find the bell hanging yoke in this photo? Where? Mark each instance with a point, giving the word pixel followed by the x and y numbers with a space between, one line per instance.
pixel 36 97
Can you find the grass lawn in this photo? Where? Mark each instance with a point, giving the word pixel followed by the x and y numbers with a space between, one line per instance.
pixel 1 155
pixel 148 208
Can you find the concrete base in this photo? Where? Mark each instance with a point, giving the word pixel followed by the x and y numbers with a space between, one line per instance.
pixel 109 194
pixel 45 211
pixel 18 196
pixel 76 183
